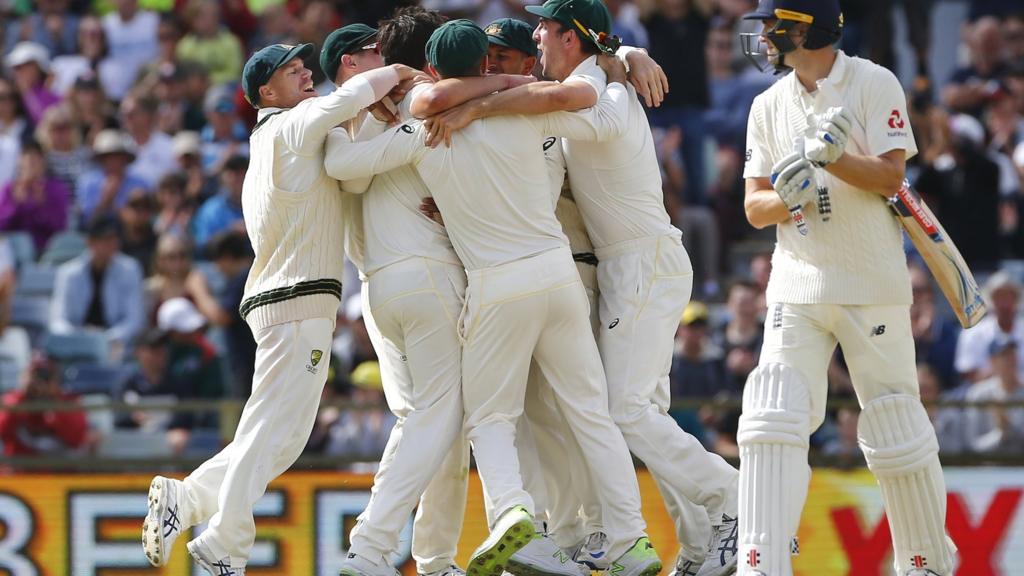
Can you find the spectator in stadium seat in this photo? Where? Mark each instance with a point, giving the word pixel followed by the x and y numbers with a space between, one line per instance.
pixel 89 107
pixel 194 370
pixel 741 337
pixel 1002 294
pixel 223 211
pixel 30 64
pixel 935 336
pixel 844 446
pixel 51 432
pixel 13 129
pixel 147 377
pixel 231 253
pixel 132 37
pixel 66 158
pixel 35 202
pixel 971 86
pixel 698 369
pixel 1013 36
pixel 174 211
pixel 225 136
pixel 172 264
pixel 997 429
pixel 102 191
pixel 362 430
pixel 101 289
pixel 209 43
pixel 199 186
pixel 15 346
pixel 154 149
pixel 51 25
pixel 137 237
pixel 91 59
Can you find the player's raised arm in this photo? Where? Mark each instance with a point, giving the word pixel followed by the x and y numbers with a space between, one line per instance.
pixel 306 126
pixel 346 160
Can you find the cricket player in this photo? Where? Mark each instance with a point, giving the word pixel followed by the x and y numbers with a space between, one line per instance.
pixel 491 187
pixel 643 271
pixel 292 209
pixel 828 144
pixel 414 292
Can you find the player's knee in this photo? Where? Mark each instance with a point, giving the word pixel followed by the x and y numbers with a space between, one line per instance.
pixel 776 407
pixel 896 435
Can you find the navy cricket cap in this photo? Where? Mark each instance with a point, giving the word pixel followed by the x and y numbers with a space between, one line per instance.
pixel 822 13
pixel 262 65
pixel 345 40
pixel 512 33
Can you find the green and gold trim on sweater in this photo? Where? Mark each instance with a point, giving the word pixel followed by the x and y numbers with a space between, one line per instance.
pixel 305 288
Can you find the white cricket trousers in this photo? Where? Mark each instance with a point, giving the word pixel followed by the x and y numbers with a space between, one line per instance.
pixel 645 285
pixel 292 361
pixel 536 307
pixel 415 305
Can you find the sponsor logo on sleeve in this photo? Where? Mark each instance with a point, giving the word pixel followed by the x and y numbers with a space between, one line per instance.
pixel 896 125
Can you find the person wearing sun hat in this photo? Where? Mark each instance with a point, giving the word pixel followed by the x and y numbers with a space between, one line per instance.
pixel 501 223
pixel 291 210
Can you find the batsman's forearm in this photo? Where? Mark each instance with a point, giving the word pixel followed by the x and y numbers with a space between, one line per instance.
pixel 764 208
pixel 451 92
pixel 880 175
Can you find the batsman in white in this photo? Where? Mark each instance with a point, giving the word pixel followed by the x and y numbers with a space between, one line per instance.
pixel 829 141
pixel 491 189
pixel 644 275
pixel 292 210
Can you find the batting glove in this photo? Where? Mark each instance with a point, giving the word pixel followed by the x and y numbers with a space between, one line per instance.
pixel 793 180
pixel 829 142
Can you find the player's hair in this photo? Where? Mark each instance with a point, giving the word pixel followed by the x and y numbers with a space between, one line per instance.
pixel 403 37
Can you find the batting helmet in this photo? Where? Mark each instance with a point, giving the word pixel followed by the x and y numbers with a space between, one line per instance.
pixel 823 17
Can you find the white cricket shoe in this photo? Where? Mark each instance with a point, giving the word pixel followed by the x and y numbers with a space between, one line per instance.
pixel 542 557
pixel 686 567
pixel 721 557
pixel 449 570
pixel 921 572
pixel 358 565
pixel 165 519
pixel 593 553
pixel 513 530
pixel 216 567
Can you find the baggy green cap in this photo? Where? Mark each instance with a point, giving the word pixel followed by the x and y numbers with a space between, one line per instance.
pixel 590 20
pixel 456 47
pixel 262 65
pixel 512 33
pixel 345 40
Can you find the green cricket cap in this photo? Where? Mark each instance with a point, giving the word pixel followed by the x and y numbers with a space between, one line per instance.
pixel 512 33
pixel 262 65
pixel 590 20
pixel 456 47
pixel 345 40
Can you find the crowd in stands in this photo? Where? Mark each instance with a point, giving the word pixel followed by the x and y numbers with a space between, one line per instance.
pixel 123 253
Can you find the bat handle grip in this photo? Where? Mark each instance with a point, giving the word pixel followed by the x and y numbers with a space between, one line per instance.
pixel 798 218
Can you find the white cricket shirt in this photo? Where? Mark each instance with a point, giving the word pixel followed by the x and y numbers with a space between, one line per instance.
pixel 617 183
pixel 491 185
pixel 856 256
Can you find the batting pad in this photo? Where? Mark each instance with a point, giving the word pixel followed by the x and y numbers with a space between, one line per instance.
pixel 773 439
pixel 901 450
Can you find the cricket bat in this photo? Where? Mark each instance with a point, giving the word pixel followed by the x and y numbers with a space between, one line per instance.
pixel 940 254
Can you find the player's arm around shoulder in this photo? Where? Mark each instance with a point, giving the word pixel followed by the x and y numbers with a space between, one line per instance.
pixel 607 120
pixel 348 160
pixel 451 92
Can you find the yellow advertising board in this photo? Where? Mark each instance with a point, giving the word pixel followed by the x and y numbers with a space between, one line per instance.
pixel 89 524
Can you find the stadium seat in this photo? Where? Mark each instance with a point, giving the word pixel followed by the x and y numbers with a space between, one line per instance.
pixel 22 247
pixel 84 346
pixel 36 280
pixel 63 247
pixel 10 375
pixel 31 313
pixel 82 378
pixel 134 444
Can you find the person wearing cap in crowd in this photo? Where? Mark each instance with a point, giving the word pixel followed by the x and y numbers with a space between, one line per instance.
pixel 225 135
pixel 29 63
pixel 100 290
pixel 292 210
pixel 1002 295
pixel 618 189
pixel 194 370
pixel 826 145
pixel 199 185
pixel 997 429
pixel 53 432
pixel 697 367
pixel 223 211
pixel 106 188
pixel 362 430
pixel 536 293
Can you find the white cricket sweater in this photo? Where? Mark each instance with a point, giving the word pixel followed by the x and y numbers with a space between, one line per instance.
pixel 294 211
pixel 853 252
